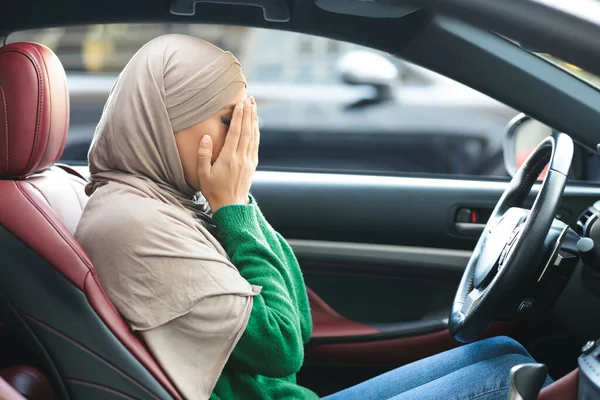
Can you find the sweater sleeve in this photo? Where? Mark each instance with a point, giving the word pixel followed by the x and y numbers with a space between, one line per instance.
pixel 292 274
pixel 272 343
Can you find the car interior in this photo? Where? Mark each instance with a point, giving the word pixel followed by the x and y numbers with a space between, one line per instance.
pixel 398 267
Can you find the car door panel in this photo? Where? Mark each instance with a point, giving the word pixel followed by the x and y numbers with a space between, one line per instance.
pixel 328 324
pixel 383 256
pixel 346 273
pixel 380 302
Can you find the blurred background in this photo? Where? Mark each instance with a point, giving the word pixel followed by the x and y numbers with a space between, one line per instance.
pixel 324 105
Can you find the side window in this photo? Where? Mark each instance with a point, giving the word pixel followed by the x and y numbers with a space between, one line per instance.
pixel 325 105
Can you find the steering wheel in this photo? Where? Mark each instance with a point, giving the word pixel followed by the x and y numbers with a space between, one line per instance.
pixel 502 267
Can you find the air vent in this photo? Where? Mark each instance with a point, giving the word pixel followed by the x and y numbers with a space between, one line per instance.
pixel 586 220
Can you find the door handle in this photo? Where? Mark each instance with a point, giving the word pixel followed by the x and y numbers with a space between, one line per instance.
pixel 470 221
pixel 469 229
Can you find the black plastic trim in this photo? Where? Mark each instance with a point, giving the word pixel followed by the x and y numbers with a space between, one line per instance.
pixel 509 74
pixel 273 10
pixel 534 23
pixel 371 254
pixel 389 331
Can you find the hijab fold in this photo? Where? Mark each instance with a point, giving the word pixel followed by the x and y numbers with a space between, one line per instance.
pixel 145 229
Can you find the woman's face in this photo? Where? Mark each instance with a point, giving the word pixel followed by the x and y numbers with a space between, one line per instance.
pixel 188 140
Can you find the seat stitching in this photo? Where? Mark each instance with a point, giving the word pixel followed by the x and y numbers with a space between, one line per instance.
pixel 70 180
pixel 6 128
pixel 88 350
pixel 41 193
pixel 100 386
pixel 66 116
pixel 58 230
pixel 41 94
pixel 522 186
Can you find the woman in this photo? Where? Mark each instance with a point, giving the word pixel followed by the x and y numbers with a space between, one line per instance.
pixel 189 260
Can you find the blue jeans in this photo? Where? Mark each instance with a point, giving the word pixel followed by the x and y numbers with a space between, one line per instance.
pixel 478 371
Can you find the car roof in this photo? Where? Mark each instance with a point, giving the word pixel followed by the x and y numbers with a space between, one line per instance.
pixel 388 34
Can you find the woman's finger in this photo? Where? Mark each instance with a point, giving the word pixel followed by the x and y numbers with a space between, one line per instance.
pixel 204 155
pixel 235 128
pixel 256 143
pixel 253 148
pixel 252 116
pixel 246 135
pixel 252 144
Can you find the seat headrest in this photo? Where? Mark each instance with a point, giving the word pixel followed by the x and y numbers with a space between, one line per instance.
pixel 34 109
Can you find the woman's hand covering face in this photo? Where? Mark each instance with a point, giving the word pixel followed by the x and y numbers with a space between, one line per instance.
pixel 227 181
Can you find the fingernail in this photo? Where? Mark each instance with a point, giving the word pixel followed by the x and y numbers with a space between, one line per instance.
pixel 205 140
pixel 252 100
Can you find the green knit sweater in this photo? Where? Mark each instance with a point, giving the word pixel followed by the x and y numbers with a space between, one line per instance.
pixel 265 361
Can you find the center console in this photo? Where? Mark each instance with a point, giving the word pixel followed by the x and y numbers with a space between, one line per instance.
pixel 526 380
pixel 589 372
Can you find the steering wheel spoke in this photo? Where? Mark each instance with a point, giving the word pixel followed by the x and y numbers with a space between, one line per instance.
pixel 493 223
pixel 472 300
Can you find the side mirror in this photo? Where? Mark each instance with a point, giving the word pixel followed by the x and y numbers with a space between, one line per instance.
pixel 522 137
pixel 359 67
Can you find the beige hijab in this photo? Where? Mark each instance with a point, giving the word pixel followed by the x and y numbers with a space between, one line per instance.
pixel 144 227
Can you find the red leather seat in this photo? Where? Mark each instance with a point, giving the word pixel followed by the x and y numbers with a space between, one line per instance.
pixel 49 291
